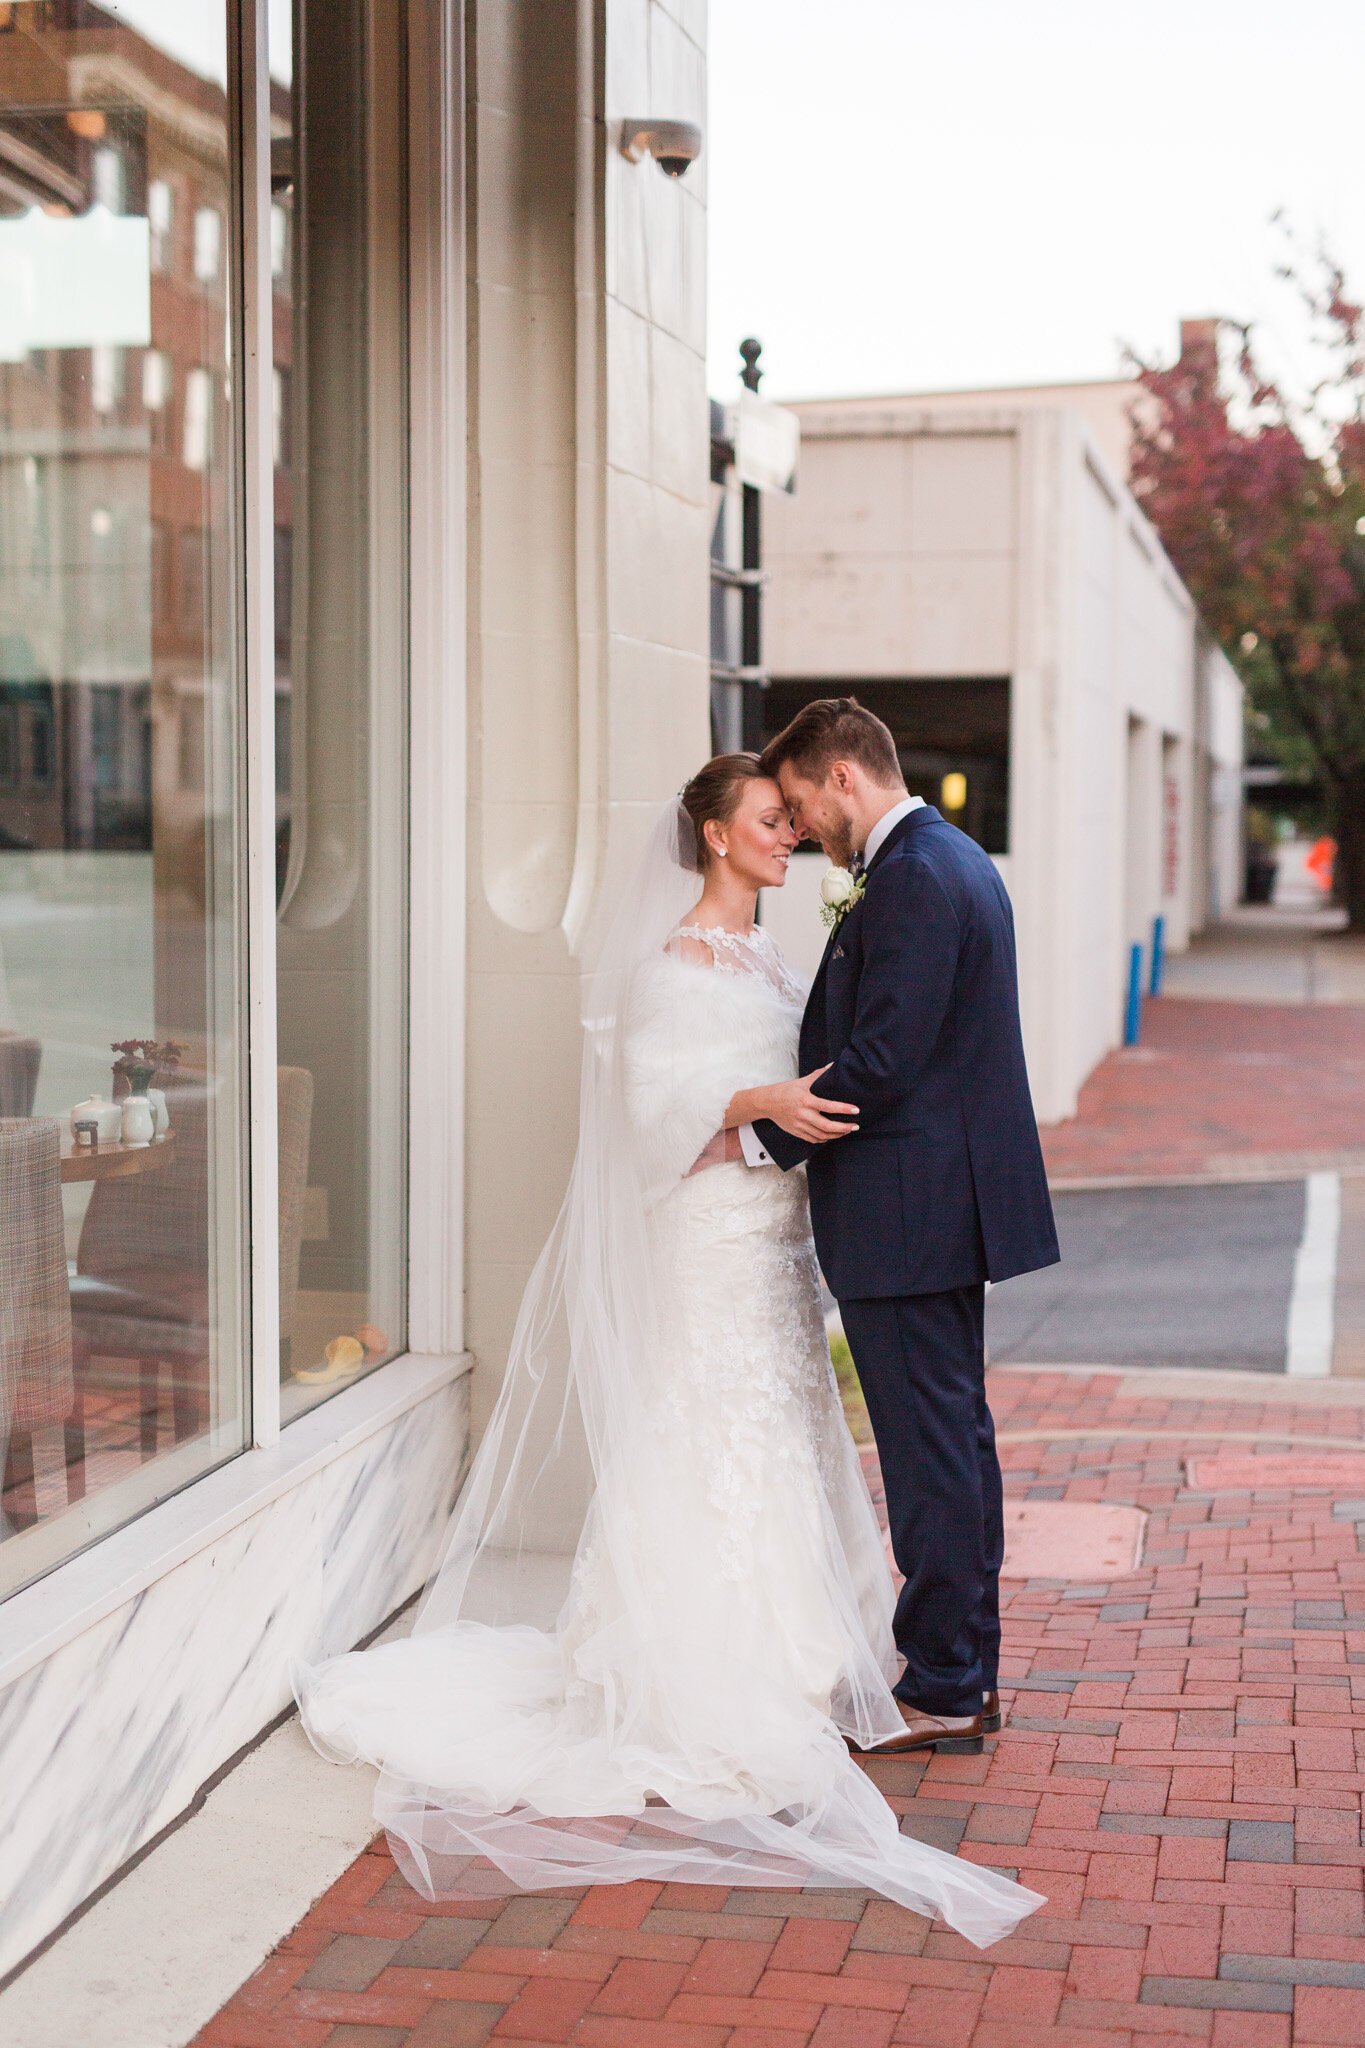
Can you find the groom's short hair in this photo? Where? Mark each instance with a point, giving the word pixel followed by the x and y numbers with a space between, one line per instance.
pixel 835 729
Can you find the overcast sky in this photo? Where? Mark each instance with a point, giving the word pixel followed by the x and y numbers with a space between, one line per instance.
pixel 922 194
pixel 928 194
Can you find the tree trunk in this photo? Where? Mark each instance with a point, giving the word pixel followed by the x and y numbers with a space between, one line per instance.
pixel 1348 806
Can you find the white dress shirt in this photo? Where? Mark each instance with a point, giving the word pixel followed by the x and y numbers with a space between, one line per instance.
pixel 755 1151
pixel 887 823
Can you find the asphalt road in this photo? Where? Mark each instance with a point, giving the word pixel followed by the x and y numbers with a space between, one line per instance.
pixel 1196 1276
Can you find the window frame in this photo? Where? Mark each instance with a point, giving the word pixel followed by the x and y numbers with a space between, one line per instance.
pixel 422 56
pixel 247 31
pixel 438 483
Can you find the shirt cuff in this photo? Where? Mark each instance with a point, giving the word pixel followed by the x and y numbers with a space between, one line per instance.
pixel 751 1145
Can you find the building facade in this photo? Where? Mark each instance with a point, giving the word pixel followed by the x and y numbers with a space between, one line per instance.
pixel 977 572
pixel 353 623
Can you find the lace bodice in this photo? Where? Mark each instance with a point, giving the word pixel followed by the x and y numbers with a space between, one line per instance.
pixel 752 952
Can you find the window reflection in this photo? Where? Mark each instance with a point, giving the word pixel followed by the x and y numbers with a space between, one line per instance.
pixel 121 1328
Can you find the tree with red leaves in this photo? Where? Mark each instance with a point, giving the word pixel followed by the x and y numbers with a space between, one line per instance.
pixel 1259 498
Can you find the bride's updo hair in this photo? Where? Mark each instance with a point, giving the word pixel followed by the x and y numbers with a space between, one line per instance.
pixel 713 794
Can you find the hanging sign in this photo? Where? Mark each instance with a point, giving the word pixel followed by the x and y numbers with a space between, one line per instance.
pixel 767 443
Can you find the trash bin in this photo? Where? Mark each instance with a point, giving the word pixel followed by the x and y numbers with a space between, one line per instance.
pixel 1260 875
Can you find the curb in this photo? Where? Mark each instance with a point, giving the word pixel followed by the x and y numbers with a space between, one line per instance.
pixel 1255 1167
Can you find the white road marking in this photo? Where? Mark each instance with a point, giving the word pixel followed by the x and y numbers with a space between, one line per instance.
pixel 1308 1343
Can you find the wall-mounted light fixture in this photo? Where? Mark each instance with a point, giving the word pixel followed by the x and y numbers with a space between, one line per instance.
pixel 672 144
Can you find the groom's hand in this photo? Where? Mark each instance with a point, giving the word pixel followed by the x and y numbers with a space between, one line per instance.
pixel 812 1118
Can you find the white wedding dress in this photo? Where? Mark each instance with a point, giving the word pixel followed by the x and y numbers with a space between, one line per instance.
pixel 670 1423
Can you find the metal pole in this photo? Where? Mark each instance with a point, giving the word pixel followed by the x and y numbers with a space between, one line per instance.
pixel 751 596
pixel 1132 1023
pixel 751 536
pixel 1158 955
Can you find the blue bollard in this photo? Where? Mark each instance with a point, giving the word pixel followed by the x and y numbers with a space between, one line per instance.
pixel 1132 1023
pixel 1158 955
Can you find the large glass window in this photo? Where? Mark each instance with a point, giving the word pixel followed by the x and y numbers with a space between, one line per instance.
pixel 122 1327
pixel 125 1340
pixel 336 256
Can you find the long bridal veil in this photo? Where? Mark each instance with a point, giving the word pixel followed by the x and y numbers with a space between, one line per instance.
pixel 572 1704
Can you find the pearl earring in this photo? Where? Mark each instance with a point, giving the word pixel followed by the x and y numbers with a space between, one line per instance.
pixel 722 851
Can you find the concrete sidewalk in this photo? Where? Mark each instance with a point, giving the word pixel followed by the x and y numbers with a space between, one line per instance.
pixel 1272 955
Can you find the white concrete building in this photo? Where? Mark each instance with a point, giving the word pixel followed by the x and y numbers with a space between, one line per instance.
pixel 974 569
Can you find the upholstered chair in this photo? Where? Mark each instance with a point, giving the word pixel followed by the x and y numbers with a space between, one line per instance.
pixel 36 1385
pixel 141 1288
pixel 20 1059
pixel 140 1292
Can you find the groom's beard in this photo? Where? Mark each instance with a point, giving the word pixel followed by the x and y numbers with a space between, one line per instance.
pixel 838 843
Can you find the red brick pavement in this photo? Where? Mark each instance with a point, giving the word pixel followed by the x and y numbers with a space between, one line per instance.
pixel 1181 1773
pixel 1211 1079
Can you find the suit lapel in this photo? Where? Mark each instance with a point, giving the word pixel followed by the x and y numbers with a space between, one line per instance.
pixel 815 1000
pixel 813 1016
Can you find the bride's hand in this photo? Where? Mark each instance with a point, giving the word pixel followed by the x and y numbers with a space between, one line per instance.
pixel 812 1118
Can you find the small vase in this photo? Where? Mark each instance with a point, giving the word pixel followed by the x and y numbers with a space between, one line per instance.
pixel 132 1076
pixel 139 1120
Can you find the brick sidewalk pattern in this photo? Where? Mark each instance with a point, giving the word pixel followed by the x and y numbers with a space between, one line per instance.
pixel 1213 1079
pixel 1180 1772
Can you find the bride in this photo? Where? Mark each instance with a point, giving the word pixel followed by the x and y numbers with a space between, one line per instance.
pixel 664 1613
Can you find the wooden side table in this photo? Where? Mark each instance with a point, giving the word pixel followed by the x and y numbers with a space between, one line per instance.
pixel 114 1161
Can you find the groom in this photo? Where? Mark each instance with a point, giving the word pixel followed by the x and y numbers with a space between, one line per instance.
pixel 914 1015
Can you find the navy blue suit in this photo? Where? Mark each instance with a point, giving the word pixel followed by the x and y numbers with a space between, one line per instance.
pixel 916 1010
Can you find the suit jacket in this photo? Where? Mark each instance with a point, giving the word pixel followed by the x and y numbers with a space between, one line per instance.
pixel 916 1005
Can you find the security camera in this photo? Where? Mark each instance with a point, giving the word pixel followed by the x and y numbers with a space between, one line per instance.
pixel 672 144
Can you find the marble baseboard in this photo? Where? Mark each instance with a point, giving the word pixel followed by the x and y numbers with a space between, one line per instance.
pixel 109 1737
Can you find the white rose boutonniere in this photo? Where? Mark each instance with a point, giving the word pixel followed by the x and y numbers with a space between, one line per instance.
pixel 839 891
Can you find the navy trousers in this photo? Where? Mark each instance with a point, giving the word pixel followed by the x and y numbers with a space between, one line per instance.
pixel 921 1362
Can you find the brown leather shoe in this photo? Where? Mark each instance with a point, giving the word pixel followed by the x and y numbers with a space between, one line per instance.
pixel 991 1716
pixel 949 1734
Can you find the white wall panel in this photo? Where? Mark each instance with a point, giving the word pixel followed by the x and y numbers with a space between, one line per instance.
pixel 962 494
pixel 871 615
pixel 588 660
